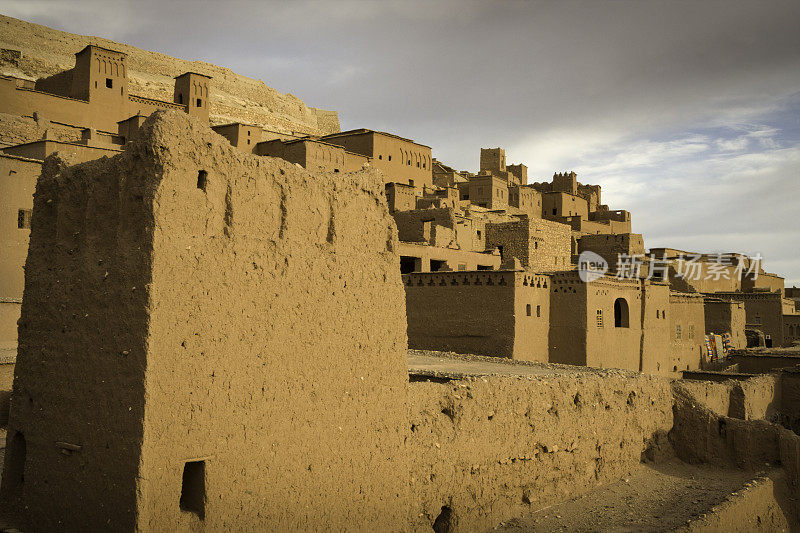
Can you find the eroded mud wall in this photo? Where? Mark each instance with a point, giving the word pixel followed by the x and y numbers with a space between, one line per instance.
pixel 210 337
pixel 486 449
pixel 276 343
pixel 75 425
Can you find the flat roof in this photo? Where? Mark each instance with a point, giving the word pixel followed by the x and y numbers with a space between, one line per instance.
pixel 192 72
pixel 19 157
pixel 363 131
pixel 82 50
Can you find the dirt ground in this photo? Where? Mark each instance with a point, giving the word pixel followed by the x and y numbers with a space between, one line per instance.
pixel 659 497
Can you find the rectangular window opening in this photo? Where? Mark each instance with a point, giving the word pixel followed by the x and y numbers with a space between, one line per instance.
pixel 438 266
pixel 109 83
pixel 193 488
pixel 24 218
pixel 202 180
pixel 199 102
pixel 528 309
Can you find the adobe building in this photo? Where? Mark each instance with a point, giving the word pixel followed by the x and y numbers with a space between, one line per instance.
pixel 539 245
pixel 17 182
pixel 611 323
pixel 765 312
pixel 726 317
pixel 94 94
pixel 139 401
pixel 313 154
pixel 504 313
pixel 20 167
pixel 399 159
pixel 245 137
pixel 441 239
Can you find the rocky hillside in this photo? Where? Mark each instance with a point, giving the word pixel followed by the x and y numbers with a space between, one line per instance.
pixel 234 98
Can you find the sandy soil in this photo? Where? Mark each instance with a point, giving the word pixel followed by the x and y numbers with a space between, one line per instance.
pixel 653 498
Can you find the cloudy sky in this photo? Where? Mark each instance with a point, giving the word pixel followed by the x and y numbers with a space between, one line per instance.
pixel 687 113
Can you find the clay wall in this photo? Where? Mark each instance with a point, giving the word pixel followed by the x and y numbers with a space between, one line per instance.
pixel 6 383
pixel 761 363
pixel 655 328
pixel 764 281
pixel 243 136
pixel 687 331
pixel 610 247
pixel 269 425
pixel 584 226
pixel 540 245
pixel 41 149
pixel 488 191
pixel 415 257
pixel 400 197
pixel 526 199
pixel 476 459
pixel 102 114
pixel 532 317
pixel 17 182
pixel 422 225
pixel 610 345
pixel 791 329
pixel 566 182
pixel 520 172
pixel 763 312
pixel 493 159
pixel 463 312
pixel 726 316
pixel 400 160
pixel 562 204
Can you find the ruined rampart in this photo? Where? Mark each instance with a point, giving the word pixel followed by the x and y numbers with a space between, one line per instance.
pixel 487 449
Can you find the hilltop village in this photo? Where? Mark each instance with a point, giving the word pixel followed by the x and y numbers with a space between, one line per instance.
pixel 490 262
pixel 215 326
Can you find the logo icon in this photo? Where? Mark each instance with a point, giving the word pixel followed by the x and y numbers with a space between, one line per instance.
pixel 591 266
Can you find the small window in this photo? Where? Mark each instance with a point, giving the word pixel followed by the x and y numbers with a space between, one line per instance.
pixel 479 234
pixel 538 310
pixel 411 182
pixel 462 266
pixel 380 157
pixel 390 158
pixel 536 245
pixel 417 164
pixel 248 141
pixel 248 133
pixel 621 314
pixel 202 180
pixel 678 332
pixel 109 83
pixel 758 318
pixel 599 318
pixel 24 218
pixel 199 102
pixel 95 85
pixel 193 488
pixel 555 210
pixel 658 313
pixel 691 331
pixel 528 309
pixel 408 162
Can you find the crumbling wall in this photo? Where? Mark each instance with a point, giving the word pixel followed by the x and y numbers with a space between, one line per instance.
pixel 486 449
pixel 75 425
pixel 755 398
pixel 209 339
